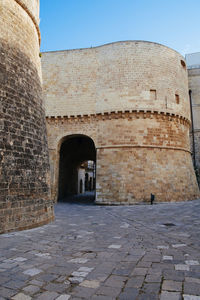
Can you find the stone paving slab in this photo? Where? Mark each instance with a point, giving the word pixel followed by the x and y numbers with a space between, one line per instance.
pixel 102 252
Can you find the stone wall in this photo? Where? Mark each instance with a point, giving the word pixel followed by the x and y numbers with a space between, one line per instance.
pixel 134 155
pixel 131 99
pixel 31 7
pixel 115 77
pixel 24 168
pixel 194 86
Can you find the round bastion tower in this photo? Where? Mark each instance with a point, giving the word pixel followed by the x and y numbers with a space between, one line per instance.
pixel 24 163
pixel 148 144
pixel 146 148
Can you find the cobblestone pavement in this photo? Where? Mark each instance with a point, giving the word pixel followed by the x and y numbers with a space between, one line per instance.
pixel 100 252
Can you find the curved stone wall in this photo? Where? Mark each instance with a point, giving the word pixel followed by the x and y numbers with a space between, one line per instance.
pixel 24 184
pixel 132 99
pixel 114 77
pixel 144 153
pixel 32 7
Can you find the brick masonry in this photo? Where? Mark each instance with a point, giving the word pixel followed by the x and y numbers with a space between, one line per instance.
pixel 141 162
pixel 24 169
pixel 131 99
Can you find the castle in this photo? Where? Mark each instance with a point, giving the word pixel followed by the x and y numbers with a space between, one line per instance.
pixel 124 106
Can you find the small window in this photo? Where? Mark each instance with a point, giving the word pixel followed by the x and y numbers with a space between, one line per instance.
pixel 183 64
pixel 177 98
pixel 153 95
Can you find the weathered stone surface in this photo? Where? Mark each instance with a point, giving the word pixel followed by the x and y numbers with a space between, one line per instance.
pixel 156 281
pixel 24 164
pixel 140 130
pixel 90 284
pixel 170 296
pixel 32 272
pixel 21 296
pixel 63 297
pixel 31 289
pixel 48 296
pixel 170 285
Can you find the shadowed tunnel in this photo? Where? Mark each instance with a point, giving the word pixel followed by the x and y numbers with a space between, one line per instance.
pixel 74 150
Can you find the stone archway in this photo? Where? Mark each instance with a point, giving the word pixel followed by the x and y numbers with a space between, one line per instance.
pixel 74 150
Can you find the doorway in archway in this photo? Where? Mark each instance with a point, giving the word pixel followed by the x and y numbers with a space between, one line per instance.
pixel 77 169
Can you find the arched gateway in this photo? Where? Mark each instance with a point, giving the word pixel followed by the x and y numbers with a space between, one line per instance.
pixel 131 99
pixel 74 150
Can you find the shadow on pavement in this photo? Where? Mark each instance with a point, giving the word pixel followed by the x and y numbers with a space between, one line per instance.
pixel 86 198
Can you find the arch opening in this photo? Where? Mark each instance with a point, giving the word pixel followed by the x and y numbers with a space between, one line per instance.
pixel 77 167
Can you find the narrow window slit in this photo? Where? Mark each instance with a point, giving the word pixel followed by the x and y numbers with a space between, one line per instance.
pixel 177 98
pixel 153 95
pixel 183 64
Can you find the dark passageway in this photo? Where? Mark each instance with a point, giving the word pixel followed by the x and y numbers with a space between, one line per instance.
pixel 74 151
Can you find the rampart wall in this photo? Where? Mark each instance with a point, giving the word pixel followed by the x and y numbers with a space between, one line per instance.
pixel 115 77
pixel 132 99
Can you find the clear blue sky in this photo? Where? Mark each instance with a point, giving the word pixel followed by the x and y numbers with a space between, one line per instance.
pixel 71 24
